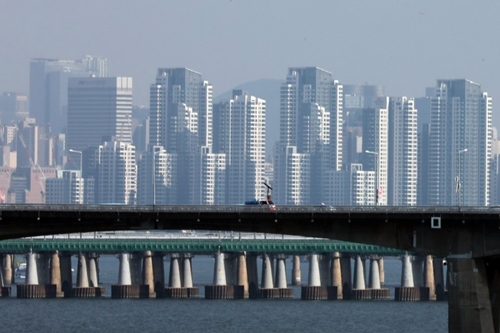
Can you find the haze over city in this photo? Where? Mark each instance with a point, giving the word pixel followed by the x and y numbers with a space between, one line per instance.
pixel 405 46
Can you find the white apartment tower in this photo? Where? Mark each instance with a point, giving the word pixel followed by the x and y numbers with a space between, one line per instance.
pixel 98 108
pixel 240 134
pixel 311 121
pixel 460 144
pixel 376 146
pixel 403 152
pixel 181 122
pixel 117 173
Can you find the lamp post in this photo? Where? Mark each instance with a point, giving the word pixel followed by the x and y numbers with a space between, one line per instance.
pixel 376 174
pixel 459 185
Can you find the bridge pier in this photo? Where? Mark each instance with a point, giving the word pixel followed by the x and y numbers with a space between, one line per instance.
pixel 296 274
pixel 359 290
pixel 66 273
pixel 87 285
pixel 374 284
pixel 7 271
pixel 409 291
pixel 441 294
pixel 429 277
pixel 382 271
pixel 125 288
pixel 55 273
pixel 336 274
pixel 253 275
pixel 346 275
pixel 314 290
pixel 242 279
pixel 32 288
pixel 159 274
pixel 219 289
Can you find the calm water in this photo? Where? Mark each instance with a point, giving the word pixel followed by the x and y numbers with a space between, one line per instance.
pixel 200 315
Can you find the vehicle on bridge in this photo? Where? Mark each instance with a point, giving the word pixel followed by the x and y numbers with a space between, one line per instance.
pixel 267 203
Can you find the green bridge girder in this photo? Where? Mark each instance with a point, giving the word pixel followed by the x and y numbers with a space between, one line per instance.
pixel 194 246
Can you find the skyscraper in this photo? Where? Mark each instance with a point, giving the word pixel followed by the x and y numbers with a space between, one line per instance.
pixel 239 133
pixel 181 122
pixel 403 152
pixel 311 121
pixel 459 144
pixel 49 86
pixel 97 108
pixel 117 173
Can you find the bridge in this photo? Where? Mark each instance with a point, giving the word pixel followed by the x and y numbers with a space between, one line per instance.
pixel 467 236
pixel 195 246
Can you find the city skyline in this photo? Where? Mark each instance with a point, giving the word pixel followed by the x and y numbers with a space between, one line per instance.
pixel 358 42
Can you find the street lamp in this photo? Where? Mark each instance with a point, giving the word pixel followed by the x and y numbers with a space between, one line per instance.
pixel 376 174
pixel 459 185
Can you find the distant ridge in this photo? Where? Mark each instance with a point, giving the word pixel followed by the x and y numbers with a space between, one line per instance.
pixel 268 89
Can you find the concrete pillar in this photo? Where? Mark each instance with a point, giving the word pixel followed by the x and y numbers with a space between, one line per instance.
pixel 359 274
pixel 93 269
pixel 314 275
pixel 407 274
pixel 66 274
pixel 147 271
pixel 382 271
pixel 187 271
pixel 159 272
pixel 242 274
pixel 337 274
pixel 124 278
pixel 267 273
pixel 82 277
pixel 429 277
pixel 280 272
pixel 296 274
pixel 42 263
pixel 31 269
pixel 135 261
pixel 219 270
pixel 174 280
pixel 7 269
pixel 374 280
pixel 55 271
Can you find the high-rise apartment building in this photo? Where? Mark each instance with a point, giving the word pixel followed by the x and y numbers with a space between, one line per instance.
pixel 98 108
pixel 240 134
pixel 376 146
pixel 459 144
pixel 403 152
pixel 117 183
pixel 49 86
pixel 181 122
pixel 311 121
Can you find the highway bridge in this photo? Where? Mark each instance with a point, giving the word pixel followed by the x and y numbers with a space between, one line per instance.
pixel 468 236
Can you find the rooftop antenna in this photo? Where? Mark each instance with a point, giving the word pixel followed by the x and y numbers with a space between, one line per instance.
pixel 269 189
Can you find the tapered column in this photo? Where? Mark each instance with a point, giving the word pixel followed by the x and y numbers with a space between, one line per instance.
pixel 337 274
pixel 267 273
pixel 42 263
pixel 418 272
pixel 242 274
pixel 382 270
pixel 7 269
pixel 296 274
pixel 124 278
pixel 314 275
pixel 374 279
pixel 174 280
pixel 407 274
pixel 345 266
pixel 280 272
pixel 31 269
pixel 147 271
pixel 55 271
pixel 82 279
pixel 359 274
pixel 93 269
pixel 429 277
pixel 439 278
pixel 187 271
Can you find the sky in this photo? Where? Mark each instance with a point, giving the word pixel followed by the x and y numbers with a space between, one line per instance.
pixel 403 45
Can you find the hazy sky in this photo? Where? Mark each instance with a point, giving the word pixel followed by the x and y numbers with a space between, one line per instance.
pixel 404 45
